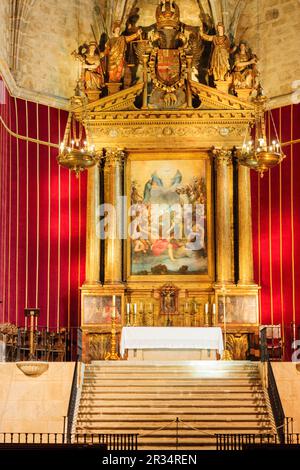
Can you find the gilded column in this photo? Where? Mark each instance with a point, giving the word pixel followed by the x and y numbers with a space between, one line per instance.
pixel 93 241
pixel 224 216
pixel 113 191
pixel 246 276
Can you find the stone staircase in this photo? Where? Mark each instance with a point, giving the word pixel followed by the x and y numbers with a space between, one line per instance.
pixel 147 398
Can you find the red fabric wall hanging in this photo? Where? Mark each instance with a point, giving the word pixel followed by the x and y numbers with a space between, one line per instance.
pixel 43 218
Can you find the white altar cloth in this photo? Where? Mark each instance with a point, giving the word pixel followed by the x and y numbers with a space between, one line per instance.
pixel 171 338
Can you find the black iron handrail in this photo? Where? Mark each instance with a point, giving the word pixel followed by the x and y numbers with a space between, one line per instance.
pixel 72 403
pixel 112 441
pixel 239 441
pixel 275 401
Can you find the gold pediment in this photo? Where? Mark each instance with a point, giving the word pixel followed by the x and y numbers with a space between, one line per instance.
pixel 121 101
pixel 211 98
pixel 115 121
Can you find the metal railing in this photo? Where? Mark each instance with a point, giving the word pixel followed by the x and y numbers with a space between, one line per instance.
pixel 274 397
pixel 111 441
pixel 72 403
pixel 50 345
pixel 240 441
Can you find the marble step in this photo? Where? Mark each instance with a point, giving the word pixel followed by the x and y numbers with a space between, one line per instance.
pixel 174 377
pixel 173 382
pixel 154 398
pixel 151 413
pixel 179 400
pixel 166 371
pixel 174 364
pixel 187 390
pixel 156 421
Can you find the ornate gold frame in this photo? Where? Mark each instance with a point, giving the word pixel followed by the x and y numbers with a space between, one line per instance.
pixel 181 154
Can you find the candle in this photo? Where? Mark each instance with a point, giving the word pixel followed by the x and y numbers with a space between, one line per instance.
pixel 214 309
pixel 206 308
pixel 135 308
pixel 128 309
pixel 114 300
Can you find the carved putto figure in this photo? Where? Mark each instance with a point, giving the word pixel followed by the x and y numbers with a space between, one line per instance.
pixel 92 67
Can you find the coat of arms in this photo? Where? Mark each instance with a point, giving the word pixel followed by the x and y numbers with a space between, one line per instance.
pixel 168 66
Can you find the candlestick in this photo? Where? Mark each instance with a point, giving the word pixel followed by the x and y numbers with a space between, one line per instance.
pixel 206 315
pixel 113 355
pixel 128 314
pixel 214 318
pixel 134 314
pixel 226 353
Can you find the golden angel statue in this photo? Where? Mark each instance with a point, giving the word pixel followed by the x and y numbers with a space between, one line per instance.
pixel 245 68
pixel 115 50
pixel 92 68
pixel 219 61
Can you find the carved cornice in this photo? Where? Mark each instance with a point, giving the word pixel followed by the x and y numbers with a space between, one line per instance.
pixel 112 124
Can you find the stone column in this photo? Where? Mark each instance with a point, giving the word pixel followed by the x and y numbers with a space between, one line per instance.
pixel 224 216
pixel 113 190
pixel 246 276
pixel 92 240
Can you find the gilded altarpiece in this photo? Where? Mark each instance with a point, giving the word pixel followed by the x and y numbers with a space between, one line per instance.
pixel 172 144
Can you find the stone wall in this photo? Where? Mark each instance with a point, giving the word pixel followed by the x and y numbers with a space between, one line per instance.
pixel 35 404
pixel 4 31
pixel 272 29
pixel 287 376
pixel 45 63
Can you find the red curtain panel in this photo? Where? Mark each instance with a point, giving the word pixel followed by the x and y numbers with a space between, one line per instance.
pixel 43 218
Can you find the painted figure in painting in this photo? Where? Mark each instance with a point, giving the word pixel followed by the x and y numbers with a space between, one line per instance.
pixel 239 309
pixel 98 310
pixel 168 227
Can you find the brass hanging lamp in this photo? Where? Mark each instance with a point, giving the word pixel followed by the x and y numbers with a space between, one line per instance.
pixel 76 154
pixel 259 154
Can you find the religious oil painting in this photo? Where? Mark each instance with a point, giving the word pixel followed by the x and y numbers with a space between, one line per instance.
pixel 168 217
pixel 240 309
pixel 97 309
